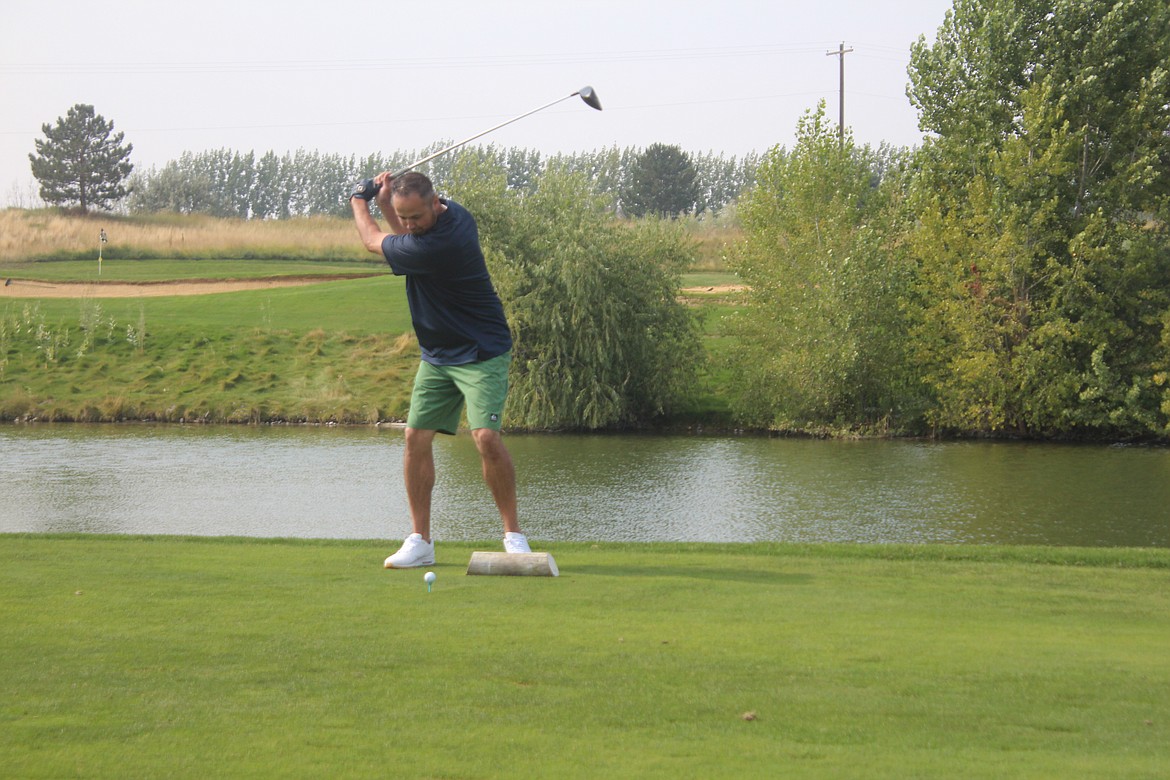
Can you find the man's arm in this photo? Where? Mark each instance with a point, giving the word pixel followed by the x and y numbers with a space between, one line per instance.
pixel 371 234
pixel 367 228
pixel 385 203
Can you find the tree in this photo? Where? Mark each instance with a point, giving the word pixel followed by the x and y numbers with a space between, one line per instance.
pixel 175 187
pixel 821 343
pixel 721 181
pixel 662 182
pixel 81 160
pixel 1044 204
pixel 601 339
pixel 252 185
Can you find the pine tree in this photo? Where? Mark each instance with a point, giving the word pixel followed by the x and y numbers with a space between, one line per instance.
pixel 662 182
pixel 81 160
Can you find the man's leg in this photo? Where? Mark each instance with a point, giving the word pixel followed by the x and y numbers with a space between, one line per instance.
pixel 419 471
pixel 499 474
pixel 418 465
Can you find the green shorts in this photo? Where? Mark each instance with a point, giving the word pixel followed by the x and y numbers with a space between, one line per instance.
pixel 440 392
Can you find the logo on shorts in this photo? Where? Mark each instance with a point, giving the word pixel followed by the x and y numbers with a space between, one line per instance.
pixel 494 418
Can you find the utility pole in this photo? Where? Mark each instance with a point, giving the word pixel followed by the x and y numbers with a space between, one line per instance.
pixel 841 52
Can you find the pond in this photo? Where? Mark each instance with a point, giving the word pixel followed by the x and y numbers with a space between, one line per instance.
pixel 334 482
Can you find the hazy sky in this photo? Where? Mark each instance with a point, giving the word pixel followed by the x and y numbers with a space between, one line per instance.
pixel 730 77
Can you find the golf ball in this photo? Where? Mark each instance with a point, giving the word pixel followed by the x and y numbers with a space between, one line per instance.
pixel 429 577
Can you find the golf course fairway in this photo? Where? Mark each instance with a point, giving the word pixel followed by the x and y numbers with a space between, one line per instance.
pixel 185 657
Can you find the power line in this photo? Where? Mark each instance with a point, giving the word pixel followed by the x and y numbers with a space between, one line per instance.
pixel 460 118
pixel 508 60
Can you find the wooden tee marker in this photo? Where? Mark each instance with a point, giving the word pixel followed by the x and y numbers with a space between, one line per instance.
pixel 513 564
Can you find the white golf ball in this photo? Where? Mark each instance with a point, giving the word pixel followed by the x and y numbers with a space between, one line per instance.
pixel 429 577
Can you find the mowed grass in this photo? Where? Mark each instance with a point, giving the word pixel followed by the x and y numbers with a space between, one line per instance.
pixel 149 657
pixel 357 306
pixel 87 271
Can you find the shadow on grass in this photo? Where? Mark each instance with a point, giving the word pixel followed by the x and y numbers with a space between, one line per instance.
pixel 720 574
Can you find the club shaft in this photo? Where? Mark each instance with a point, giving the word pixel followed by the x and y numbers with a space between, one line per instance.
pixel 441 152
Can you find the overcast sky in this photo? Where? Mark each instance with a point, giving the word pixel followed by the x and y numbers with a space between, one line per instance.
pixel 729 77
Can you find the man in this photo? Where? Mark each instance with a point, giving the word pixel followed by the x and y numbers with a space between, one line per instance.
pixel 465 340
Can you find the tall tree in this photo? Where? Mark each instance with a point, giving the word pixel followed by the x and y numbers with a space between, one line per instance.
pixel 1044 203
pixel 81 160
pixel 822 340
pixel 722 180
pixel 178 186
pixel 662 182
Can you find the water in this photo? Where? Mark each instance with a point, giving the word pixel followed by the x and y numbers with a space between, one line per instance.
pixel 347 483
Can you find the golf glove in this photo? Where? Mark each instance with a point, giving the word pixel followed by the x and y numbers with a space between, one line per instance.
pixel 365 189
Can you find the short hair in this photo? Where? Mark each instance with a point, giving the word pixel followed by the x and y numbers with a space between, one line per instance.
pixel 412 183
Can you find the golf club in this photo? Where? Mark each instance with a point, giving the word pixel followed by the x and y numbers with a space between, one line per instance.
pixel 586 93
pixel 366 189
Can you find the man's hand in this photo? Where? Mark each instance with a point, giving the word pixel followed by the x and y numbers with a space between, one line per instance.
pixel 385 200
pixel 366 189
pixel 359 199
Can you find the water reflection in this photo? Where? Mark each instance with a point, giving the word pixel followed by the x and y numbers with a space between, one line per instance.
pixel 346 483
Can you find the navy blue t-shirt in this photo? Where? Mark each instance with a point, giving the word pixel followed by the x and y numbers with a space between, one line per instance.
pixel 456 312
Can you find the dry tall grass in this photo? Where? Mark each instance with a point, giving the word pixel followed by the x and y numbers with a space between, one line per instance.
pixel 53 234
pixel 714 240
pixel 48 233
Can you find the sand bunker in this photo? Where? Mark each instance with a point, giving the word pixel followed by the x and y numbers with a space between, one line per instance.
pixel 718 289
pixel 24 288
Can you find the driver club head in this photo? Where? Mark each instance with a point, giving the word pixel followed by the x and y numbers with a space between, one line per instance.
pixel 590 97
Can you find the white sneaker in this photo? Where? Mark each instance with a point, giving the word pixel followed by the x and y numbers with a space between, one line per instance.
pixel 414 552
pixel 516 543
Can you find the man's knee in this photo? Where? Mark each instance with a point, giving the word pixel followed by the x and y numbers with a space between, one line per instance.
pixel 419 439
pixel 489 443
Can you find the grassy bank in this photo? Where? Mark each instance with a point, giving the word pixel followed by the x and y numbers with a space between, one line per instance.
pixel 180 657
pixel 337 352
pixel 340 351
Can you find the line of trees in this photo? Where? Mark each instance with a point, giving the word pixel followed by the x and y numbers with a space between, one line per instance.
pixel 81 162
pixel 230 183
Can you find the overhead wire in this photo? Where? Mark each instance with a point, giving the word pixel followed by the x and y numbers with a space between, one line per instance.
pixel 876 51
pixel 508 60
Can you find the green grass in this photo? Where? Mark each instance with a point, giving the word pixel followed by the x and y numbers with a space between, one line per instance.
pixel 169 270
pixel 149 657
pixel 332 352
pixel 372 305
pixel 709 278
pixel 358 306
pixel 322 352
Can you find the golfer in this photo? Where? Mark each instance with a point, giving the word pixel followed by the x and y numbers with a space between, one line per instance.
pixel 465 340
